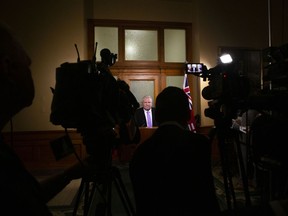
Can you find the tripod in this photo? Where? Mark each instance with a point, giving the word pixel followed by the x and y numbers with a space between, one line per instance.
pixel 100 203
pixel 94 181
pixel 226 138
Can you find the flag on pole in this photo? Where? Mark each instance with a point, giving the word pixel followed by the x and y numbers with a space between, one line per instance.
pixel 186 89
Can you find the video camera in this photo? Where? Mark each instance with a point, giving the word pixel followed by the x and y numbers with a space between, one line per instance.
pixel 78 93
pixel 227 86
pixel 108 57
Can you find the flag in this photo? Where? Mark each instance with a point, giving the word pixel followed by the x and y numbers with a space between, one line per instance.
pixel 186 89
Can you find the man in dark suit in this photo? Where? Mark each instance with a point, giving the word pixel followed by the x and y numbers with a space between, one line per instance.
pixel 142 113
pixel 171 171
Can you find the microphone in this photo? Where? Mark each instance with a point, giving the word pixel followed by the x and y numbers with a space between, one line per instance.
pixel 95 50
pixel 78 56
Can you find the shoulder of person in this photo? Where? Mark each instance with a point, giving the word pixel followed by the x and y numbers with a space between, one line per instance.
pixel 197 144
pixel 199 138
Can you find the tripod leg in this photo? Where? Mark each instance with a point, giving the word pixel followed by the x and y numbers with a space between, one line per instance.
pixel 97 206
pixel 227 176
pixel 88 195
pixel 243 173
pixel 86 198
pixel 109 196
pixel 100 203
pixel 78 198
pixel 122 192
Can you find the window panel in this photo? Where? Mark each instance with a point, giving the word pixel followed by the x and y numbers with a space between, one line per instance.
pixel 106 37
pixel 141 45
pixel 140 88
pixel 175 45
pixel 175 81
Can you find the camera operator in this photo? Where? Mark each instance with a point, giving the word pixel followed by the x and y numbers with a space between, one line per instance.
pixel 21 193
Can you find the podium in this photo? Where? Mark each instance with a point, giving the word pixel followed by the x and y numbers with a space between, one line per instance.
pixel 145 133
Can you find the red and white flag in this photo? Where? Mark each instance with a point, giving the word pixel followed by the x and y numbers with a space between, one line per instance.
pixel 186 89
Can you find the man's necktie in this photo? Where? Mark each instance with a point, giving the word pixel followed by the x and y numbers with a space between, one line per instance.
pixel 149 121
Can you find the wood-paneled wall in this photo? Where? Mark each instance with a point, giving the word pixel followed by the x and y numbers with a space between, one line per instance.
pixel 33 148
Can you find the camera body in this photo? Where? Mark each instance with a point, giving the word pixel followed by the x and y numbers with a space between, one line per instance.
pixel 227 86
pixel 107 57
pixel 113 58
pixel 84 93
pixel 75 84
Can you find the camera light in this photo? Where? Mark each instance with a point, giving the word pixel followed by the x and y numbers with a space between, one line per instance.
pixel 226 58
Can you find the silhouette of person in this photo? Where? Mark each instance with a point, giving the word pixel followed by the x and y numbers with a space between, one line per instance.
pixel 141 117
pixel 21 193
pixel 171 171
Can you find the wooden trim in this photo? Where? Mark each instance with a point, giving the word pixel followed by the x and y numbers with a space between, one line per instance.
pixel 143 70
pixel 131 24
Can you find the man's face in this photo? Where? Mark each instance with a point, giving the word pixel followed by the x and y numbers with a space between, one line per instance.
pixel 147 103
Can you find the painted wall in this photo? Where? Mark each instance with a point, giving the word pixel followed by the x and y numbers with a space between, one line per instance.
pixel 48 31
